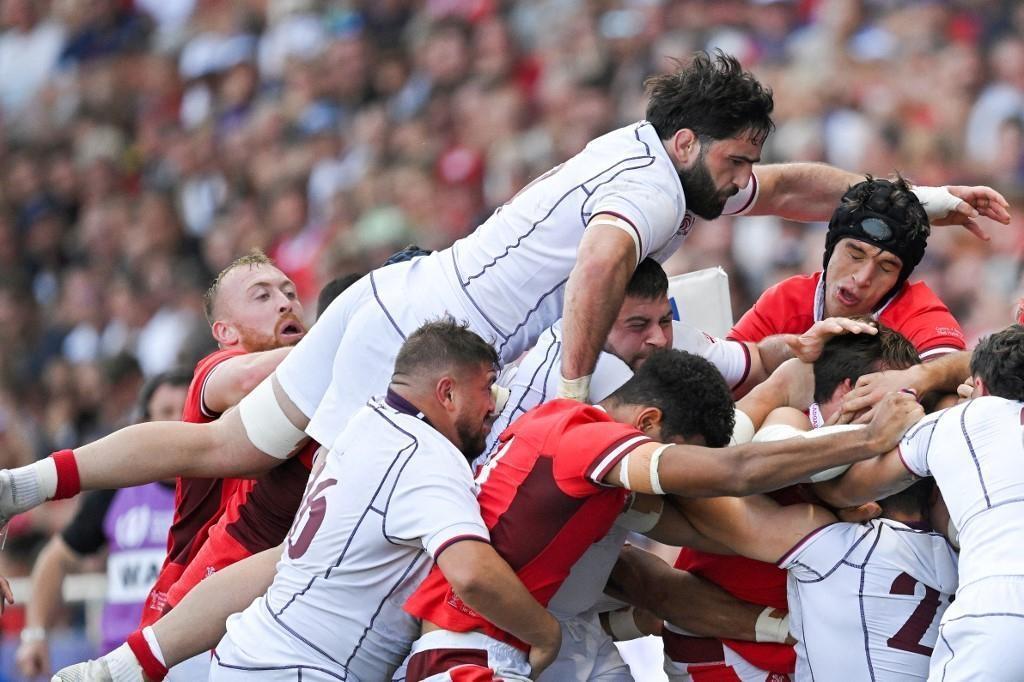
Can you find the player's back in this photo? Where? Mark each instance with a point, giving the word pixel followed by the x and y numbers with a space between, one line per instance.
pixel 865 600
pixel 975 452
pixel 513 268
pixel 353 555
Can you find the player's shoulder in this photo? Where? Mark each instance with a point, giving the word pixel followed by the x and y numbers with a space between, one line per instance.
pixel 555 419
pixel 798 289
pixel 215 358
pixel 916 296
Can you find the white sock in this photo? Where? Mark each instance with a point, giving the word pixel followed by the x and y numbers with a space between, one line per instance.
pixel 154 645
pixel 31 485
pixel 123 666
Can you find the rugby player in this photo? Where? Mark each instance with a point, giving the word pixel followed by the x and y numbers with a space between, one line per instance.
pixel 973 451
pixel 565 246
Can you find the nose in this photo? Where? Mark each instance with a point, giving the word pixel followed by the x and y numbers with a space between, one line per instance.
pixel 743 175
pixel 862 275
pixel 657 338
pixel 284 304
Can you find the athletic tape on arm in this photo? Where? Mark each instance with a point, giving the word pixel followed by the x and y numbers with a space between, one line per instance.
pixel 266 425
pixel 624 225
pixel 937 202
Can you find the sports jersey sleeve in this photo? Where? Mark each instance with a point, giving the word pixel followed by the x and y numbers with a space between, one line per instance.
pixel 819 552
pixel 730 358
pixel 913 449
pixel 760 321
pixel 195 403
pixel 933 559
pixel 741 202
pixel 650 214
pixel 84 534
pixel 934 332
pixel 433 504
pixel 585 454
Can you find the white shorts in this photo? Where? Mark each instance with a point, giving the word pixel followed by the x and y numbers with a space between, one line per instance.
pixel 229 665
pixel 348 356
pixel 442 656
pixel 587 653
pixel 195 668
pixel 981 634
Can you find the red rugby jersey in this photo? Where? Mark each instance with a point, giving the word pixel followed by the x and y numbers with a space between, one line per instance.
pixel 792 306
pixel 255 518
pixel 198 501
pixel 544 504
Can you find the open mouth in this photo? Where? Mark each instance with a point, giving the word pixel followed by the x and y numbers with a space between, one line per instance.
pixel 292 329
pixel 846 298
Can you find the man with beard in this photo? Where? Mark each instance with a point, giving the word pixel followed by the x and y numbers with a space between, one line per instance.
pixel 255 317
pixel 572 237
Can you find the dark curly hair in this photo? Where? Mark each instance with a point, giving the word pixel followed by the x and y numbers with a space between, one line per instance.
pixel 999 362
pixel 649 281
pixel 712 96
pixel 887 214
pixel 692 395
pixel 850 356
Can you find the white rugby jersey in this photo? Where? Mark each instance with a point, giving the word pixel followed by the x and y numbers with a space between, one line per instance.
pixel 536 379
pixel 512 269
pixel 393 494
pixel 865 600
pixel 975 452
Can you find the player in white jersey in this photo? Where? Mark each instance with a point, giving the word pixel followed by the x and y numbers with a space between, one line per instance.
pixel 394 496
pixel 864 598
pixel 563 247
pixel 974 451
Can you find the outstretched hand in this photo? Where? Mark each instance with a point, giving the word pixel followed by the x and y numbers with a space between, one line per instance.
pixel 975 202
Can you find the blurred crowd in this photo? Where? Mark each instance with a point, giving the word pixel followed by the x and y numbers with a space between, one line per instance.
pixel 144 144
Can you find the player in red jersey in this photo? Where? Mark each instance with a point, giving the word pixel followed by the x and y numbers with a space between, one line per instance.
pixel 876 238
pixel 844 359
pixel 564 472
pixel 255 318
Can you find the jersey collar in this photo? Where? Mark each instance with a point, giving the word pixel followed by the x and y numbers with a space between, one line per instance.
pixel 400 404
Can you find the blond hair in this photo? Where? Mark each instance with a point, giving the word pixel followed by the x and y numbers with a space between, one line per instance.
pixel 254 258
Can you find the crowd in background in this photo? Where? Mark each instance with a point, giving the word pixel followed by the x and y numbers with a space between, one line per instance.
pixel 145 144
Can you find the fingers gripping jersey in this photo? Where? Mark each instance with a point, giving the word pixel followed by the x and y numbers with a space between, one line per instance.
pixel 974 451
pixel 865 600
pixel 544 502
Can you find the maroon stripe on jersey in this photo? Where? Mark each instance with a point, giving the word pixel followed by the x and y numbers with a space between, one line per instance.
pixel 599 467
pixel 423 664
pixel 746 372
pixel 520 534
pixel 459 538
pixel 639 241
pixel 750 199
pixel 199 504
pixel 683 649
pixel 803 541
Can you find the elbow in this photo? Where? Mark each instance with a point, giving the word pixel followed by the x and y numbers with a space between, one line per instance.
pixel 471 586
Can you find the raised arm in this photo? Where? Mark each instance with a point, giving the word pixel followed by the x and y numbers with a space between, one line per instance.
pixel 593 295
pixel 234 378
pixel 811 191
pixel 693 471
pixel 944 374
pixel 489 586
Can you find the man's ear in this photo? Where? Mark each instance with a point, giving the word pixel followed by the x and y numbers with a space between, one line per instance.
pixel 224 334
pixel 980 387
pixel 686 146
pixel 444 392
pixel 648 420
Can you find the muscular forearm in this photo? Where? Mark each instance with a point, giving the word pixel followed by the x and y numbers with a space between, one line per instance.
pixel 170 449
pixel 234 378
pixel 198 623
pixel 801 191
pixel 593 296
pixel 52 565
pixel 867 481
pixel 681 598
pixel 943 374
pixel 773 351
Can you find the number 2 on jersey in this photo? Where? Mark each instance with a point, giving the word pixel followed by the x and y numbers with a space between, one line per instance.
pixel 909 636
